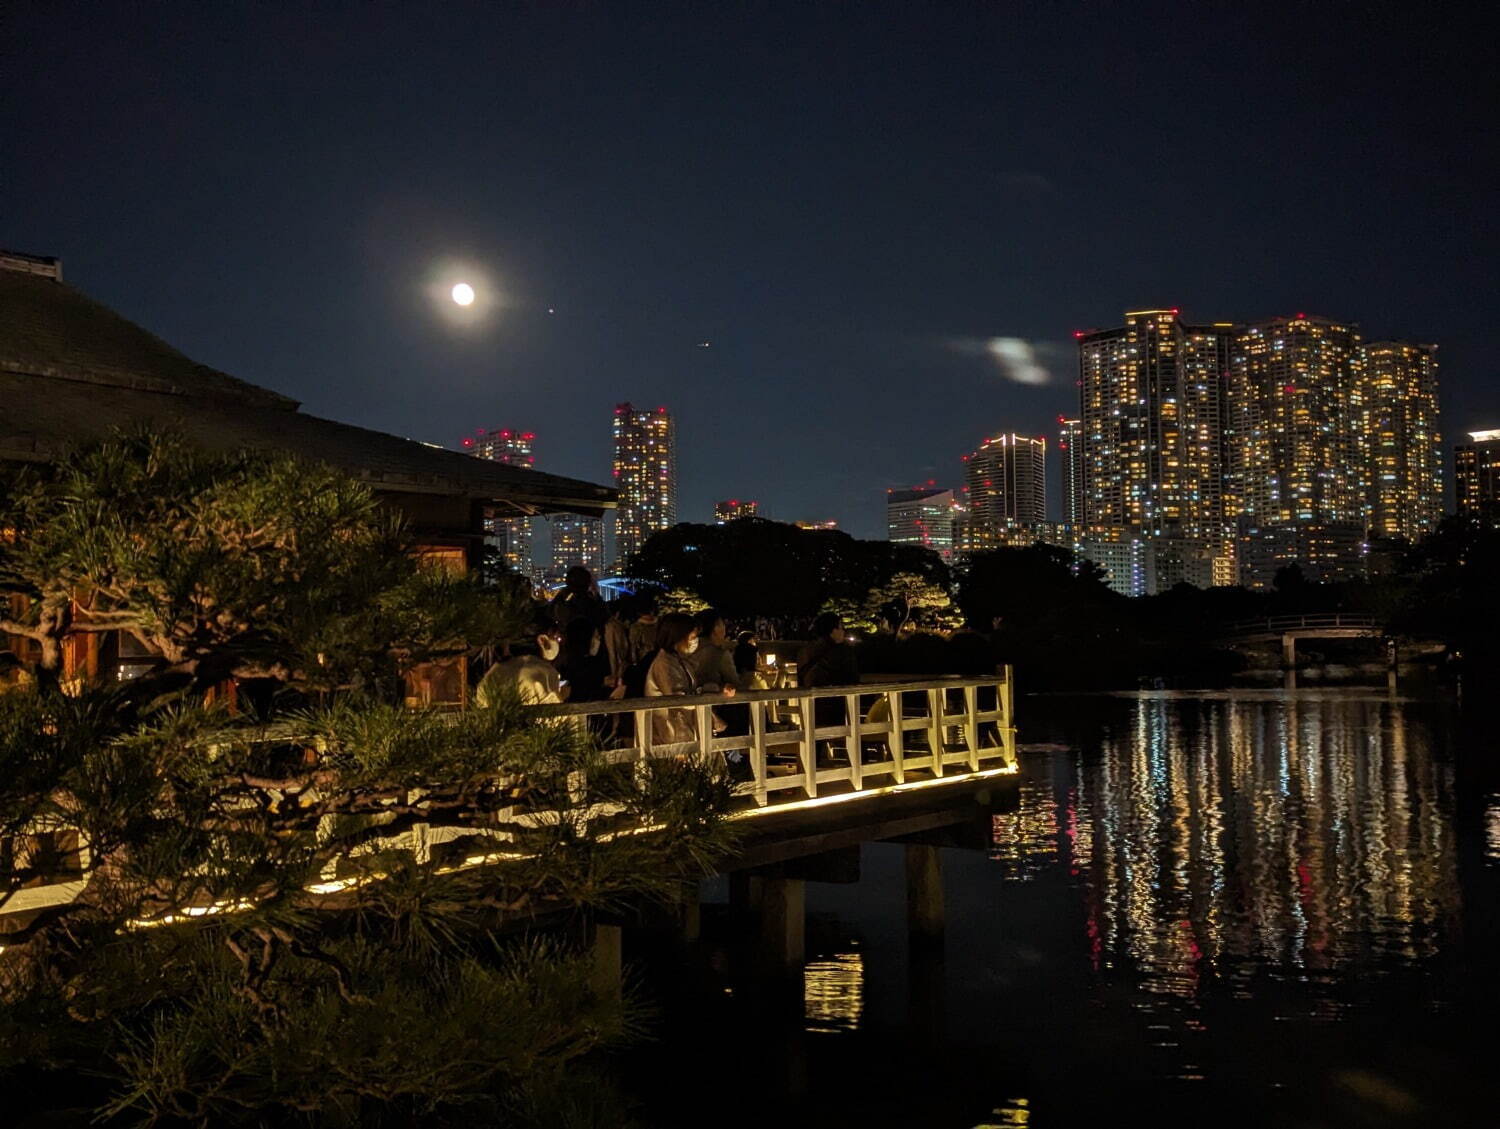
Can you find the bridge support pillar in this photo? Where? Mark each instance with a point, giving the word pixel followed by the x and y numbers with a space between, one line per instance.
pixel 1289 651
pixel 783 922
pixel 607 948
pixel 690 917
pixel 924 893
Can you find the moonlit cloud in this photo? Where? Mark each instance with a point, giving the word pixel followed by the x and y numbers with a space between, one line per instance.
pixel 1017 359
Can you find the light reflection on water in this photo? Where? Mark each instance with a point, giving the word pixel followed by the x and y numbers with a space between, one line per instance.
pixel 1295 838
pixel 1492 831
pixel 1206 909
pixel 833 992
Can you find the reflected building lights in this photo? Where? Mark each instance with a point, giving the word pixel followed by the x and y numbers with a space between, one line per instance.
pixel 1294 838
pixel 1492 831
pixel 833 992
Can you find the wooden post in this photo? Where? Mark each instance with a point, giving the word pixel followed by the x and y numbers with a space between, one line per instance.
pixel 809 748
pixel 705 717
pixel 971 725
pixel 691 917
pixel 898 735
pixel 1289 651
pixel 924 893
pixel 758 749
pixel 1007 701
pixel 607 948
pixel 744 895
pixel 783 921
pixel 856 755
pixel 935 729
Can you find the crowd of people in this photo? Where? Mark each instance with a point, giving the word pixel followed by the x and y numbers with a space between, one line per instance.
pixel 582 649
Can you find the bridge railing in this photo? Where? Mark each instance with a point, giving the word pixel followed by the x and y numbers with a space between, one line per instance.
pixel 792 746
pixel 1276 624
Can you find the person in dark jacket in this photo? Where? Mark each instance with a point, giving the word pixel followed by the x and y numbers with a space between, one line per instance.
pixel 746 656
pixel 578 599
pixel 582 665
pixel 828 660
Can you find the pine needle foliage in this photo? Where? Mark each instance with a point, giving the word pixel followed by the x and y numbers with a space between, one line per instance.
pixel 330 908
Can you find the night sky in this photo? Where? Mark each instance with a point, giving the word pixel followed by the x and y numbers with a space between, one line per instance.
pixel 846 201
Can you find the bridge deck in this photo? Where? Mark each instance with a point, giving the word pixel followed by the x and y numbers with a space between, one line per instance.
pixel 816 765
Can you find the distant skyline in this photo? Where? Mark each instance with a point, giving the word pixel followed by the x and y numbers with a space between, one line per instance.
pixel 843 244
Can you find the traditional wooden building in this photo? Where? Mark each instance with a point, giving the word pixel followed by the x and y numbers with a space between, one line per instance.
pixel 73 371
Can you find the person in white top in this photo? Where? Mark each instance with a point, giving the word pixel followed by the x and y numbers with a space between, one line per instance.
pixel 533 677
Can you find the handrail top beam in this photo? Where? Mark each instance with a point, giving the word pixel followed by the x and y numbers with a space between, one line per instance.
pixel 630 705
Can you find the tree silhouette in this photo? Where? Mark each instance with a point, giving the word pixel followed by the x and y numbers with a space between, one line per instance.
pixel 324 907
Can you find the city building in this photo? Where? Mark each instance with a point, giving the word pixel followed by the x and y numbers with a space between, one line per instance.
pixel 1137 565
pixel 1152 414
pixel 1122 554
pixel 502 445
pixel 577 539
pixel 827 524
pixel 1400 436
pixel 1299 449
pixel 1322 553
pixel 922 515
pixel 1070 448
pixel 1005 482
pixel 1291 431
pixel 1298 445
pixel 1476 477
pixel 646 476
pixel 733 510
pixel 514 537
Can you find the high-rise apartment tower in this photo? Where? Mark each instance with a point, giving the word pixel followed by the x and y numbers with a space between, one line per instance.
pixel 1005 483
pixel 1299 452
pixel 577 540
pixel 1152 406
pixel 1070 450
pixel 645 475
pixel 1400 436
pixel 732 509
pixel 1476 477
pixel 923 515
pixel 513 537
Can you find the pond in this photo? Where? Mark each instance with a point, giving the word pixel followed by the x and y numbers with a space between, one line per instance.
pixel 1269 907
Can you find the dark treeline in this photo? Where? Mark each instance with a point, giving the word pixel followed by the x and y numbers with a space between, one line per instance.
pixel 1052 615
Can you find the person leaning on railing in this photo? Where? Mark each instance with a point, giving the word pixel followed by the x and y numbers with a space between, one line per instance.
pixel 828 660
pixel 673 674
pixel 529 669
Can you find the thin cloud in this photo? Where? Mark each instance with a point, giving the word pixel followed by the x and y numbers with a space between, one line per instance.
pixel 1018 360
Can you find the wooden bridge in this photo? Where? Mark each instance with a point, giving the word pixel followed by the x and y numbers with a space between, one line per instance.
pixel 828 769
pixel 1287 629
pixel 888 737
pixel 819 771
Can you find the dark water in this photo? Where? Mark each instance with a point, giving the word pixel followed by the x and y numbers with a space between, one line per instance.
pixel 1247 908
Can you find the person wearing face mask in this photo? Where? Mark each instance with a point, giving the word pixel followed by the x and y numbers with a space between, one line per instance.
pixel 583 665
pixel 673 674
pixel 530 673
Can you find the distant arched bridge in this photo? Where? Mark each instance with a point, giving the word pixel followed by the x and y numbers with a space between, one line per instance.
pixel 1289 628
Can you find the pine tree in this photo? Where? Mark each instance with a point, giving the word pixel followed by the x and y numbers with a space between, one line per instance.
pixel 327 905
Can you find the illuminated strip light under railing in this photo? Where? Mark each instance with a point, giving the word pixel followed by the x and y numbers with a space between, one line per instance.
pixel 339 885
pixel 883 790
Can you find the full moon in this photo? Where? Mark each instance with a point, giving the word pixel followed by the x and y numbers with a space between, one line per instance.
pixel 463 294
